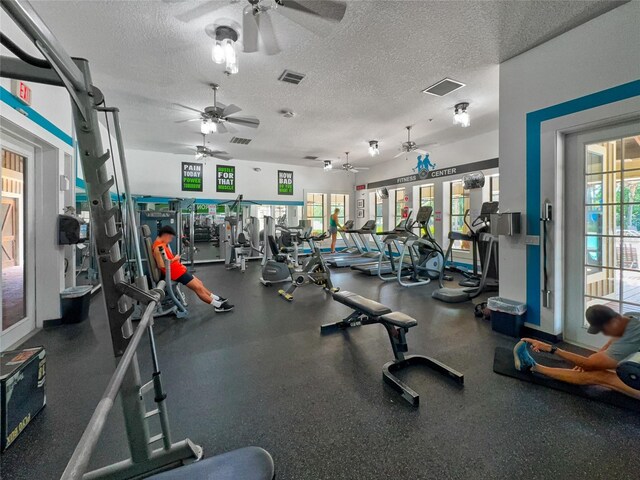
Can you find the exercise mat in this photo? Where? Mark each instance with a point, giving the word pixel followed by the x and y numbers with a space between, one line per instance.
pixel 503 365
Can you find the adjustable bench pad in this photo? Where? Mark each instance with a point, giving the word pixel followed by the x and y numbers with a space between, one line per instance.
pixel 399 319
pixel 361 303
pixel 250 463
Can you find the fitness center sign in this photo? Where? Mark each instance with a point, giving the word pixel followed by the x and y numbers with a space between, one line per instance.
pixel 285 182
pixel 225 179
pixel 191 177
pixel 441 172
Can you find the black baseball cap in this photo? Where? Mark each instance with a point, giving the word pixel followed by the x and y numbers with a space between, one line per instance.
pixel 166 229
pixel 598 316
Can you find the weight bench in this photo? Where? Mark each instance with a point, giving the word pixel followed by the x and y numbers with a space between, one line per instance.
pixel 249 463
pixel 397 324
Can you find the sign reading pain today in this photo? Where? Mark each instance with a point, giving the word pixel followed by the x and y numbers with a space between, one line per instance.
pixel 225 178
pixel 191 177
pixel 285 182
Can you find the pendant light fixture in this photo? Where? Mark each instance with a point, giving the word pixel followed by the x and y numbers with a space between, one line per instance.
pixel 224 49
pixel 461 115
pixel 374 149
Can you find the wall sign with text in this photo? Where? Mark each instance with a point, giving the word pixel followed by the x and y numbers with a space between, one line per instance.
pixel 191 177
pixel 425 173
pixel 225 179
pixel 285 182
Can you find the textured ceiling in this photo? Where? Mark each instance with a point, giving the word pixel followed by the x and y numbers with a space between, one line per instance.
pixel 364 75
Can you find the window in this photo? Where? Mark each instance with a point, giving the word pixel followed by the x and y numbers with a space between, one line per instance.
pixel 459 203
pixel 379 217
pixel 494 188
pixel 427 199
pixel 612 224
pixel 315 212
pixel 280 213
pixel 339 201
pixel 399 206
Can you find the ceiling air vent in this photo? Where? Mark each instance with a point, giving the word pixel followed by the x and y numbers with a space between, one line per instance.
pixel 310 157
pixel 291 77
pixel 240 141
pixel 443 87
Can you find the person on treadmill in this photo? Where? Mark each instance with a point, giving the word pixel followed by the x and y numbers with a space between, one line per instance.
pixel 334 225
pixel 596 369
pixel 179 272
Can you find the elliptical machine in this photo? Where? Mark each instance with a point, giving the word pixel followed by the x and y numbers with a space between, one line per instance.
pixel 314 270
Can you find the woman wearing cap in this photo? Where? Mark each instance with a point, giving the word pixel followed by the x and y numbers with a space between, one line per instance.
pixel 596 369
pixel 180 274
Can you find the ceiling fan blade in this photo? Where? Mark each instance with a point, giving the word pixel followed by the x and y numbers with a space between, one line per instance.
pixel 363 168
pixel 327 9
pixel 249 30
pixel 189 120
pixel 400 154
pixel 189 108
pixel 250 122
pixel 420 151
pixel 353 170
pixel 220 155
pixel 267 34
pixel 230 128
pixel 230 110
pixel 221 128
pixel 199 11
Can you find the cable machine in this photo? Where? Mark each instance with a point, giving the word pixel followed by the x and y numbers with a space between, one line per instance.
pixel 59 69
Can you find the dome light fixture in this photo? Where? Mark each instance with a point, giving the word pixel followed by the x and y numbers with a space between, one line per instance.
pixel 374 148
pixel 461 115
pixel 208 126
pixel 327 165
pixel 224 49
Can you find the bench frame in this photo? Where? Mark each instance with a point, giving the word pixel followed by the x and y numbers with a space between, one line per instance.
pixel 398 339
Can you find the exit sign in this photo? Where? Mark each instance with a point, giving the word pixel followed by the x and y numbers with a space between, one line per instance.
pixel 360 187
pixel 22 91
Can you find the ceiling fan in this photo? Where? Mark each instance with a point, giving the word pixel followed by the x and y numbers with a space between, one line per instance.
pixel 217 117
pixel 409 146
pixel 349 167
pixel 256 21
pixel 202 152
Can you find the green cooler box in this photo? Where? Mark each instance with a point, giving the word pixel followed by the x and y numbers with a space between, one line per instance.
pixel 22 395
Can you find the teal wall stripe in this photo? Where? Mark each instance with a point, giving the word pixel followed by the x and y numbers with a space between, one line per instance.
pixel 7 97
pixel 533 165
pixel 211 201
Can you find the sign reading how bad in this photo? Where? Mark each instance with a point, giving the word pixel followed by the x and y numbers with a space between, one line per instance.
pixel 285 182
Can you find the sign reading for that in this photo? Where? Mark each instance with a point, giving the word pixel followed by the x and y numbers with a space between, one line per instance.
pixel 191 177
pixel 225 179
pixel 285 182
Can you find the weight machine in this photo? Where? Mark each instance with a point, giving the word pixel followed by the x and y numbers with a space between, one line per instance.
pixel 59 69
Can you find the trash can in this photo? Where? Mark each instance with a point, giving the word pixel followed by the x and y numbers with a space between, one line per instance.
pixel 507 316
pixel 75 304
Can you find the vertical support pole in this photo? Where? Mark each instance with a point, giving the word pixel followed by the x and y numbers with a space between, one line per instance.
pixel 110 261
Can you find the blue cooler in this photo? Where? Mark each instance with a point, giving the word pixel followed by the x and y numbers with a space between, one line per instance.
pixel 507 316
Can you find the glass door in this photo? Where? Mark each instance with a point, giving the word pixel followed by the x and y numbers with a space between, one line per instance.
pixel 18 315
pixel 603 242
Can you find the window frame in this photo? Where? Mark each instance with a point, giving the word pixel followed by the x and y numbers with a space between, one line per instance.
pixel 462 245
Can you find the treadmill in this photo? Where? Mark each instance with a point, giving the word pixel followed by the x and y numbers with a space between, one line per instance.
pixel 352 245
pixel 393 237
pixel 369 228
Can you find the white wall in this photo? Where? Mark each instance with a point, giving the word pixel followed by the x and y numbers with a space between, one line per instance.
pixel 159 174
pixel 598 55
pixel 51 102
pixel 467 150
pixel 49 152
